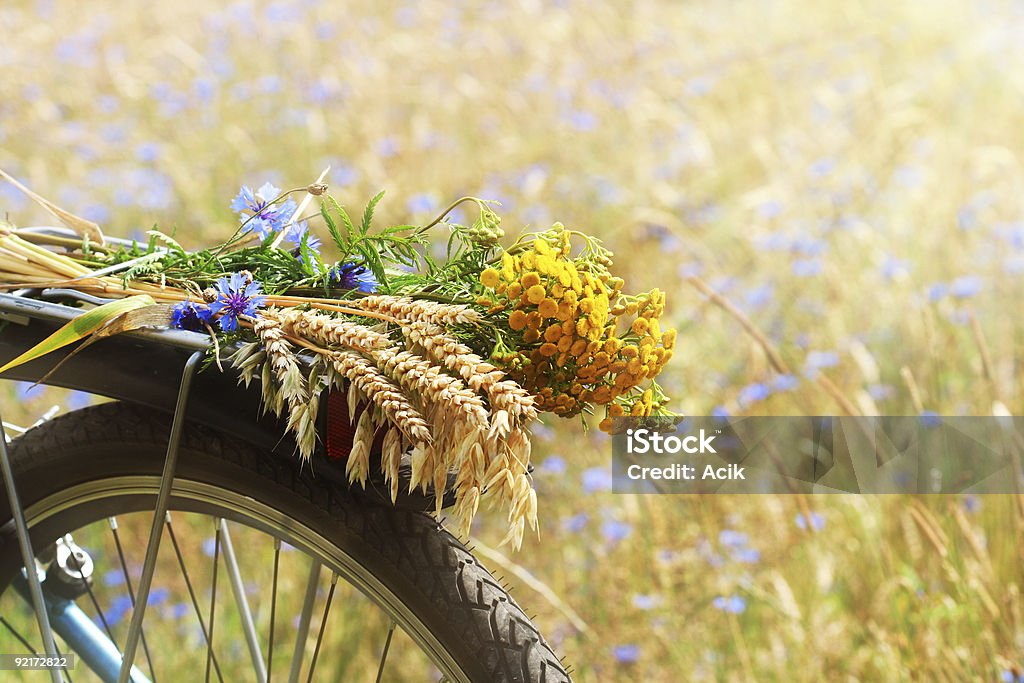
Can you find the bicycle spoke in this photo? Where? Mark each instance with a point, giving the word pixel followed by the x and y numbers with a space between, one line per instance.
pixel 131 592
pixel 21 639
pixel 191 591
pixel 273 606
pixel 213 602
pixel 323 624
pixel 304 617
pixel 238 590
pixel 384 654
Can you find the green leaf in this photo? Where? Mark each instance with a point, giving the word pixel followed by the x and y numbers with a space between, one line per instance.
pixel 309 257
pixel 351 229
pixel 368 213
pixel 332 227
pixel 168 240
pixel 80 327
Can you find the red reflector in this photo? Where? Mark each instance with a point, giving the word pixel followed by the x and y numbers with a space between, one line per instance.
pixel 339 430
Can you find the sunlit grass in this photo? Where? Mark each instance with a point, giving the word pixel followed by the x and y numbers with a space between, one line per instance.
pixel 847 174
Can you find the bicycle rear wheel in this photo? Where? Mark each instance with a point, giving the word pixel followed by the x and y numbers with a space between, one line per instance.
pixel 105 461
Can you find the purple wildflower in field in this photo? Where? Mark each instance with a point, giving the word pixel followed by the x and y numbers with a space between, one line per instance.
pixel 119 607
pixel 1008 676
pixel 28 390
pixel 753 393
pixel 553 464
pixel 626 654
pixel 966 286
pixel 388 146
pixel 209 545
pixel 698 86
pixel 785 382
pixel 772 208
pixel 817 522
pixel 582 120
pixel 937 291
pixel 115 577
pixel 720 412
pixel 733 539
pixel 818 360
pixel 179 609
pixel 421 203
pixel 972 503
pixel 747 555
pixel 236 296
pixel 158 596
pixel 759 296
pixel 191 316
pixel 596 479
pixel 615 531
pixel 881 392
pixel 646 602
pixel 148 152
pixel 734 604
pixel 893 267
pixel 929 418
pixel 576 523
pixel 807 267
pixel 266 218
pixel 353 276
pixel 820 168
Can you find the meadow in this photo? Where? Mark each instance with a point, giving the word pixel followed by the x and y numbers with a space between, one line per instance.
pixel 847 178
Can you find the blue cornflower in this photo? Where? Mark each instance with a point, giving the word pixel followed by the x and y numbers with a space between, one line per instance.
pixel 596 479
pixel 266 218
pixel 119 607
pixel 817 522
pixel 113 578
pixel 353 276
pixel 965 287
pixel 733 539
pixel 576 523
pixel 190 316
pixel 236 295
pixel 615 531
pixel 733 604
pixel 296 233
pixel 752 393
pixel 626 654
pixel 646 602
pixel 785 383
pixel 554 464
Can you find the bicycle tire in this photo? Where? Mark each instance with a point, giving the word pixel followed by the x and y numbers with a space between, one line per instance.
pixel 432 573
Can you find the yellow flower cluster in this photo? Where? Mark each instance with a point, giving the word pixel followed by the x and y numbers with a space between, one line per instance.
pixel 568 318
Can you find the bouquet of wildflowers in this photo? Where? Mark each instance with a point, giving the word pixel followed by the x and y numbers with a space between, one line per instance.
pixel 450 360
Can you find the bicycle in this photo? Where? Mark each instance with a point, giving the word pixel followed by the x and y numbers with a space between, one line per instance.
pixel 178 444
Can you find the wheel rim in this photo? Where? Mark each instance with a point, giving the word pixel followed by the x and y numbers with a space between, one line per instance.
pixel 204 498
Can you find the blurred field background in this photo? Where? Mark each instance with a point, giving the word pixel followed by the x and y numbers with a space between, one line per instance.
pixel 848 174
